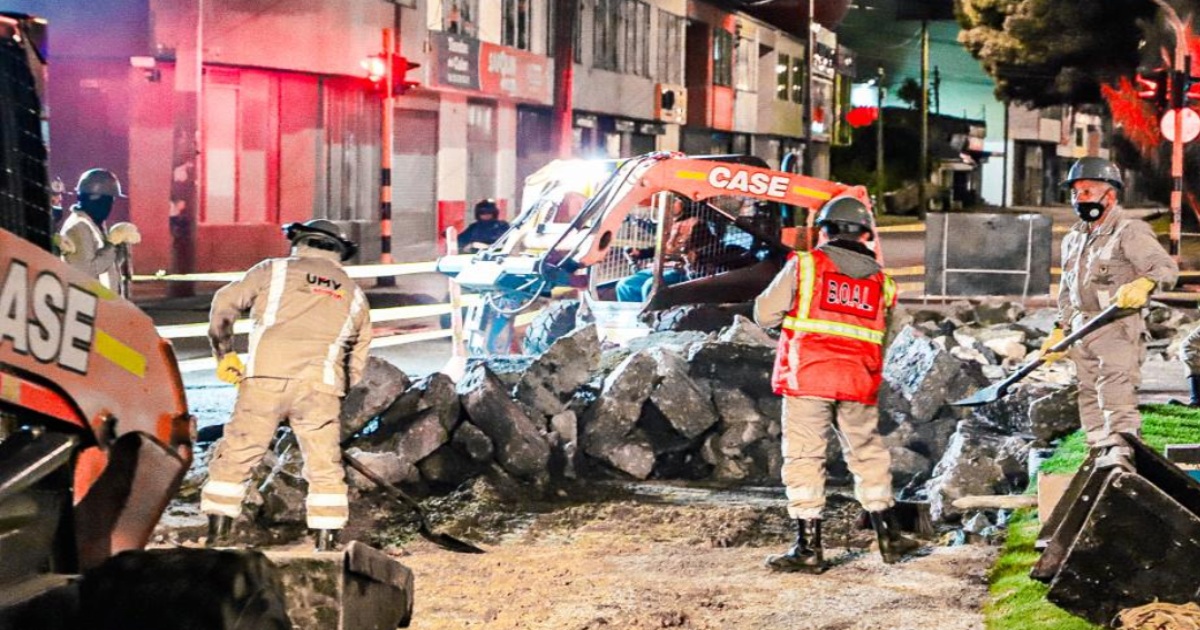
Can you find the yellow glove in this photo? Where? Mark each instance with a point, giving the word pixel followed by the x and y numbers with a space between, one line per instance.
pixel 230 368
pixel 65 246
pixel 1052 340
pixel 124 233
pixel 1134 294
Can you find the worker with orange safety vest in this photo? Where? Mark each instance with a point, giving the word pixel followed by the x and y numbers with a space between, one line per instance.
pixel 834 304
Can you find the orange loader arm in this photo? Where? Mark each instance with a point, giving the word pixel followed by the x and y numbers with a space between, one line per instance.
pixel 700 180
pixel 76 358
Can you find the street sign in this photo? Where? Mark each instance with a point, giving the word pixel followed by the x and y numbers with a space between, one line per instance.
pixel 1191 124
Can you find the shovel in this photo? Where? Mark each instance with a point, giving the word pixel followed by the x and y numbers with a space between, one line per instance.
pixel 445 541
pixel 995 392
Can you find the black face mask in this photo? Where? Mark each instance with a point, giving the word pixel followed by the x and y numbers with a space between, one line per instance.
pixel 1088 210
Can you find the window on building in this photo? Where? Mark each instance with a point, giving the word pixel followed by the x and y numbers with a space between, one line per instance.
pixel 246 145
pixel 745 65
pixel 798 80
pixel 670 47
pixel 636 34
pixel 605 35
pixel 515 24
pixel 783 67
pixel 578 33
pixel 722 57
pixel 459 16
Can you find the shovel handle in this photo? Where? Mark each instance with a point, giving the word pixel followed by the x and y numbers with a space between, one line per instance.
pixel 1101 319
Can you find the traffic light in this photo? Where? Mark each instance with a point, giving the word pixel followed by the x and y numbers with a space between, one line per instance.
pixel 400 68
pixel 1154 86
pixel 377 67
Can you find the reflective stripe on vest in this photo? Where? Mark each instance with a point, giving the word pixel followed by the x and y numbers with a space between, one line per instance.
pixel 801 322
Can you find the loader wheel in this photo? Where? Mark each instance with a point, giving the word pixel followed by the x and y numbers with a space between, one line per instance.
pixel 184 589
pixel 557 320
pixel 698 317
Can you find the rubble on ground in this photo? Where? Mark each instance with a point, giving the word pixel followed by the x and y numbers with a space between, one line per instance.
pixel 698 406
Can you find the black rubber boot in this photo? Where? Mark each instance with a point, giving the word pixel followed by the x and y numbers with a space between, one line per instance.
pixel 1194 385
pixel 326 539
pixel 220 529
pixel 806 555
pixel 893 545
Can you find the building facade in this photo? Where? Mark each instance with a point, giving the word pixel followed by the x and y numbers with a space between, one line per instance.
pixel 228 118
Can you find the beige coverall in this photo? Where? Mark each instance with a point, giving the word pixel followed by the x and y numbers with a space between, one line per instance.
pixel 807 420
pixel 311 335
pixel 1189 352
pixel 1096 260
pixel 92 253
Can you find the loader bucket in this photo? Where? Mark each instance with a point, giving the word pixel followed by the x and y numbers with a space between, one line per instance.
pixel 1123 538
pixel 369 590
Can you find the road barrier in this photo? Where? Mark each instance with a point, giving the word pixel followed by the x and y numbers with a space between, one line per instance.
pixel 457 303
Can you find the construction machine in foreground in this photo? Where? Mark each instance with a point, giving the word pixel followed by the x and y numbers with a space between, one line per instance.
pixel 95 437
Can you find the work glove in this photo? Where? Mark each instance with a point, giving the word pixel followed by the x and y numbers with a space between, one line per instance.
pixel 1134 294
pixel 230 368
pixel 124 233
pixel 65 246
pixel 1052 340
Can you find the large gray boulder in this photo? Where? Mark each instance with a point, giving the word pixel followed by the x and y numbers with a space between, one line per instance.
pixel 925 376
pixel 381 384
pixel 684 403
pixel 521 449
pixel 551 380
pixel 1054 413
pixel 747 367
pixel 978 460
pixel 435 392
pixel 609 425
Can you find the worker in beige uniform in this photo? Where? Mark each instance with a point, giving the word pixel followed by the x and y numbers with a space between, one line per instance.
pixel 309 344
pixel 82 241
pixel 1108 259
pixel 1189 354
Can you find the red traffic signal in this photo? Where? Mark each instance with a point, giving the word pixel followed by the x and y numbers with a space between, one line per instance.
pixel 378 67
pixel 1154 86
pixel 400 68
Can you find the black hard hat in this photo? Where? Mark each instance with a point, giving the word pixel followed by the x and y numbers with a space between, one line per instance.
pixel 98 182
pixel 1095 169
pixel 845 211
pixel 322 231
pixel 486 206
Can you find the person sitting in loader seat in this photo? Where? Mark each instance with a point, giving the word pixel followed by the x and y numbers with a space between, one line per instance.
pixel 679 254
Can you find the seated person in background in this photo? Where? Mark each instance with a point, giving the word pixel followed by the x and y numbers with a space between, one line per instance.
pixel 486 229
pixel 678 253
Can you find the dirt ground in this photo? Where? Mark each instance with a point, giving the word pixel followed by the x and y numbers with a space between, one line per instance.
pixel 669 556
pixel 640 556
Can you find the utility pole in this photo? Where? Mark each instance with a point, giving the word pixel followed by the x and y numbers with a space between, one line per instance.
pixel 1179 79
pixel 879 167
pixel 186 176
pixel 807 167
pixel 922 202
pixel 565 18
pixel 937 91
pixel 387 142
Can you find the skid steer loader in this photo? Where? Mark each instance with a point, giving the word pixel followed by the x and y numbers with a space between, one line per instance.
pixel 95 436
pixel 579 250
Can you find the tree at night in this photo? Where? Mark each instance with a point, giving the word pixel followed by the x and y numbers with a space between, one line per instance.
pixel 1052 52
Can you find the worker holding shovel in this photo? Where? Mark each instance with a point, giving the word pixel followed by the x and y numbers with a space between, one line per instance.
pixel 1108 260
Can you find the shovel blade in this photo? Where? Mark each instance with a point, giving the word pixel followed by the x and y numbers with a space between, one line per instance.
pixel 988 394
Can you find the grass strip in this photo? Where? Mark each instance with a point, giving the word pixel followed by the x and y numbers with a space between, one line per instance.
pixel 1017 602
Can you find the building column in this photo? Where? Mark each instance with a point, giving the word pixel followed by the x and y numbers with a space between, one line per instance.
pixel 451 162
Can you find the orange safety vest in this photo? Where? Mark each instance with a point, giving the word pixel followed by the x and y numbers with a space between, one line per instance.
pixel 832 341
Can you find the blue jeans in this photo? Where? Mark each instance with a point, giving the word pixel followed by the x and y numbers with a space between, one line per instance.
pixel 636 288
